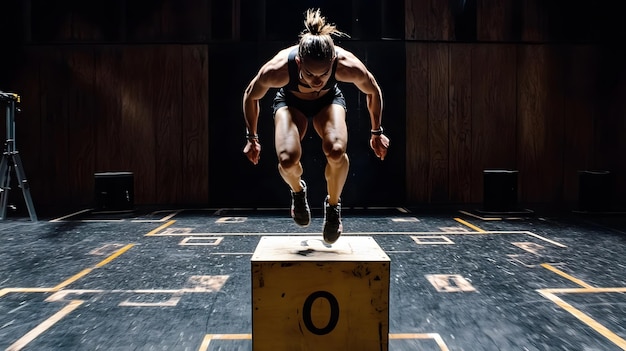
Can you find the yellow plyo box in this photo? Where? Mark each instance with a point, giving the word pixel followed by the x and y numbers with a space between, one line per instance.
pixel 309 295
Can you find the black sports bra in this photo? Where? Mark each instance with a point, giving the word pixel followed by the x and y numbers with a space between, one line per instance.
pixel 294 81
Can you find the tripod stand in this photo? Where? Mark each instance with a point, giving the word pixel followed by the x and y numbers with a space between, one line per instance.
pixel 11 160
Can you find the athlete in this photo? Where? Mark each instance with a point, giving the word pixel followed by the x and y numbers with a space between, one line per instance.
pixel 306 76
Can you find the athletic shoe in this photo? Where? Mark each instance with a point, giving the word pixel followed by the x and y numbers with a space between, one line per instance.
pixel 332 222
pixel 300 211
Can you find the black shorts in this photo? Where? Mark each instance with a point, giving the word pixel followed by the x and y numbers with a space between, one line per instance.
pixel 309 107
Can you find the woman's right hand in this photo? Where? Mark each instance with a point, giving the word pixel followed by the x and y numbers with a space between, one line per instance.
pixel 253 150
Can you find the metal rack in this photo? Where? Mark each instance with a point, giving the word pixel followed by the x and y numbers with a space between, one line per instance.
pixel 11 160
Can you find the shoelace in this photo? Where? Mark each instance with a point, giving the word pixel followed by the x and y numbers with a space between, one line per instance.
pixel 332 213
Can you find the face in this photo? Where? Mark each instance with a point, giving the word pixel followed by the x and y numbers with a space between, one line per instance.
pixel 315 73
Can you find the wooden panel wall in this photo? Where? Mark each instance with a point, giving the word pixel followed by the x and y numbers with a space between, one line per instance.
pixel 503 106
pixel 94 109
pixel 460 107
pixel 531 91
pixel 417 156
pixel 123 85
pixel 540 127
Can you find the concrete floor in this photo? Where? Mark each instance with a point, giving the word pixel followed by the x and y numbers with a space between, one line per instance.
pixel 181 279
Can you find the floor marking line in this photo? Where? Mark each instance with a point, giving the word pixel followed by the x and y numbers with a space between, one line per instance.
pixel 438 339
pixel 102 220
pixel 115 255
pixel 566 276
pixel 161 227
pixel 61 295
pixel 481 218
pixel 512 232
pixel 585 290
pixel 546 239
pixel 72 279
pixel 409 336
pixel 231 253
pixel 204 346
pixel 168 217
pixel 70 215
pixel 207 339
pixel 171 302
pixel 446 283
pixel 604 331
pixel 86 271
pixel 464 232
pixel 43 326
pixel 171 215
pixel 469 225
pixel 23 290
pixel 147 221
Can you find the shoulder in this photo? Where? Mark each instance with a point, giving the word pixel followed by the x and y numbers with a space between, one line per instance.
pixel 343 53
pixel 275 73
pixel 349 67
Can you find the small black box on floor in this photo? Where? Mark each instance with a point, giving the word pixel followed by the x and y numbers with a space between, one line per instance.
pixel 500 190
pixel 114 191
pixel 595 191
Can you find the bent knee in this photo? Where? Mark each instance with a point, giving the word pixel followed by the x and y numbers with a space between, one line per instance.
pixel 288 160
pixel 335 151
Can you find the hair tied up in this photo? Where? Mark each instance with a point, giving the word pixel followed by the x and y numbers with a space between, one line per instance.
pixel 315 24
pixel 316 39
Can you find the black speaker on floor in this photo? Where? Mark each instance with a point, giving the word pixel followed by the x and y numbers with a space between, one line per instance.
pixel 114 191
pixel 595 191
pixel 500 190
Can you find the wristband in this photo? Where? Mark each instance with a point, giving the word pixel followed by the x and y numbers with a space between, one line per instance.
pixel 378 131
pixel 251 137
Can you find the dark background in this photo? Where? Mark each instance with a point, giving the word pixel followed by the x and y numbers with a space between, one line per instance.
pixel 155 87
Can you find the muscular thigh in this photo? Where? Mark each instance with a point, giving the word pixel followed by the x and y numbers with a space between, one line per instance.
pixel 330 125
pixel 289 128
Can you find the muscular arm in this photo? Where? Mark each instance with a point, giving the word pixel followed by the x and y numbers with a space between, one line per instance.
pixel 273 74
pixel 351 69
pixel 374 99
pixel 253 93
